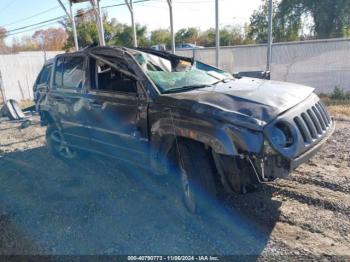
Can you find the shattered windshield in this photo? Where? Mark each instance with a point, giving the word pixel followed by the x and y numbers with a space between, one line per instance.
pixel 178 76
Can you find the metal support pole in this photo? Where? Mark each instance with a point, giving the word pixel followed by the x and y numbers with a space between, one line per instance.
pixel 2 90
pixel 99 21
pixel 217 29
pixel 71 18
pixel 75 36
pixel 269 37
pixel 129 3
pixel 43 47
pixel 172 33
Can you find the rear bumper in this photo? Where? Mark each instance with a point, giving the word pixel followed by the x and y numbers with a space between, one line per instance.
pixel 312 151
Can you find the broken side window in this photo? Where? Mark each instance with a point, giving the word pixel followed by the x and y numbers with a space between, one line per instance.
pixel 58 72
pixel 69 72
pixel 45 75
pixel 73 72
pixel 108 78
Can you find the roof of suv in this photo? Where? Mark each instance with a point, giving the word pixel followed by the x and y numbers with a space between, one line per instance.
pixel 118 50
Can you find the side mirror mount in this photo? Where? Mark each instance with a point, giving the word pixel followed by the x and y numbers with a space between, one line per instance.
pixel 43 88
pixel 140 92
pixel 80 86
pixel 253 74
pixel 267 75
pixel 237 75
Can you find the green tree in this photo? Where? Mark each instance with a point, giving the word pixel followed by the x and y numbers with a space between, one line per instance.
pixel 283 29
pixel 207 38
pixel 87 30
pixel 331 18
pixel 339 94
pixel 160 36
pixel 3 34
pixel 231 35
pixel 287 24
pixel 259 24
pixel 187 35
pixel 124 37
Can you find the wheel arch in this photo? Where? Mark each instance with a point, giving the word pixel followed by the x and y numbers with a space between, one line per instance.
pixel 213 135
pixel 164 147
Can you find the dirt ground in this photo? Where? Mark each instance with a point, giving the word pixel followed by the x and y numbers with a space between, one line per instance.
pixel 96 206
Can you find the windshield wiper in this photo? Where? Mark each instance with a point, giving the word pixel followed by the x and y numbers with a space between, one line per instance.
pixel 184 88
pixel 225 80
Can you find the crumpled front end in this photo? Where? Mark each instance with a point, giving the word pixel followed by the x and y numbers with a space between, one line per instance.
pixel 293 138
pixel 289 140
pixel 300 128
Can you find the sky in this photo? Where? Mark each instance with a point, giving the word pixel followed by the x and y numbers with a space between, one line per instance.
pixel 154 13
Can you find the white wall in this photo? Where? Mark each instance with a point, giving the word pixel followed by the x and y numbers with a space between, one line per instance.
pixel 21 70
pixel 322 64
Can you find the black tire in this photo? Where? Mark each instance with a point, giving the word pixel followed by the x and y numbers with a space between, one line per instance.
pixel 56 145
pixel 196 174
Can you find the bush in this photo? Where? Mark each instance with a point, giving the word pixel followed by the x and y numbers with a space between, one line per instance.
pixel 339 94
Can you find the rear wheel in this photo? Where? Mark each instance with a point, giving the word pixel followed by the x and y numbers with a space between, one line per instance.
pixel 56 144
pixel 196 177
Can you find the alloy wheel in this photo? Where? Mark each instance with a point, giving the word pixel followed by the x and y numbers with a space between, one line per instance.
pixel 60 146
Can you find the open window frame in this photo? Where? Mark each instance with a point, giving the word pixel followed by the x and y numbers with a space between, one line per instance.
pixel 61 85
pixel 113 63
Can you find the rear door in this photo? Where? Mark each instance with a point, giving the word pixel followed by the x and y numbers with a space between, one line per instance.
pixel 116 105
pixel 66 94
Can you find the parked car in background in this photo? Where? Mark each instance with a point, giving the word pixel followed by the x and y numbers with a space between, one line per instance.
pixel 173 114
pixel 159 47
pixel 188 46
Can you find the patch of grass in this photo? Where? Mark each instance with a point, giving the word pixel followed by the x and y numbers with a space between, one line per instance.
pixel 340 111
pixel 338 103
pixel 340 94
pixel 328 101
pixel 338 97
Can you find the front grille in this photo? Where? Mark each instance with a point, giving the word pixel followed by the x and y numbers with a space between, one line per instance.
pixel 309 123
pixel 313 123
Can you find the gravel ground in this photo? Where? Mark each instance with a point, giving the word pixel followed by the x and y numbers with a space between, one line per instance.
pixel 102 206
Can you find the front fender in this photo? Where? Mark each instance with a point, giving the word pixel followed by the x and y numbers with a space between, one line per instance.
pixel 223 138
pixel 217 137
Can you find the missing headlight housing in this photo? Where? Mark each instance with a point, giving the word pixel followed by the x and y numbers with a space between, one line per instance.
pixel 282 135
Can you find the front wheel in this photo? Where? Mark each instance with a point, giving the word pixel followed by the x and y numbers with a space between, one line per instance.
pixel 196 176
pixel 56 144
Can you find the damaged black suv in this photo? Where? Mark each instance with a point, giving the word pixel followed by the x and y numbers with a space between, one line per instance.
pixel 165 112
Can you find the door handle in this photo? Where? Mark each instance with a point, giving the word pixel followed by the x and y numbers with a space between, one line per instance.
pixel 58 98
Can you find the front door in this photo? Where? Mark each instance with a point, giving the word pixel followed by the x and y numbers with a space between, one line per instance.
pixel 115 104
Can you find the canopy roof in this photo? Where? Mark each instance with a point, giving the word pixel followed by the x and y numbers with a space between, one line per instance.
pixel 78 1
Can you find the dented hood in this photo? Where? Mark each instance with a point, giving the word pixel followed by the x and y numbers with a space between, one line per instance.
pixel 250 100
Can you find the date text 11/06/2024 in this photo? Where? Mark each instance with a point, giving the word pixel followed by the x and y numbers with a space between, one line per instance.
pixel 173 258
